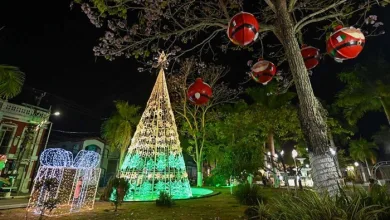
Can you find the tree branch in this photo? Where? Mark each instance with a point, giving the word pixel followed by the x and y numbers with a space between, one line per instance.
pixel 291 5
pixel 298 28
pixel 299 23
pixel 271 5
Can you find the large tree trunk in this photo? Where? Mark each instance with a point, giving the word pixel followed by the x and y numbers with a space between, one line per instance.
pixel 368 168
pixel 271 145
pixel 313 124
pixel 199 176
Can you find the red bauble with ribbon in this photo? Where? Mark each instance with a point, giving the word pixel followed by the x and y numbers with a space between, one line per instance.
pixel 243 29
pixel 345 43
pixel 199 92
pixel 311 56
pixel 263 71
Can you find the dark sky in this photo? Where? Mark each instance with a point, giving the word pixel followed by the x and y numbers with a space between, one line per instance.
pixel 53 46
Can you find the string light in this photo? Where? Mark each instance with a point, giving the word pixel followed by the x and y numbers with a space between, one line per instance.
pixel 76 182
pixel 154 161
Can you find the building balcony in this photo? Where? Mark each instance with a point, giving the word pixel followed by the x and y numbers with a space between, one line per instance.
pixel 29 112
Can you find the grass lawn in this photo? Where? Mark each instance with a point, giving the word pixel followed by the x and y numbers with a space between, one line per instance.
pixel 222 206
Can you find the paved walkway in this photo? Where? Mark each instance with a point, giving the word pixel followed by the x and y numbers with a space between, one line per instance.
pixel 13 203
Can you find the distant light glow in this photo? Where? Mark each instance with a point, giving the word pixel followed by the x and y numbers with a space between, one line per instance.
pixel 333 152
pixel 294 153
pixel 57 113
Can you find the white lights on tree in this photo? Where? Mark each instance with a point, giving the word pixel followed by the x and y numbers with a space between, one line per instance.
pixel 154 162
pixel 74 182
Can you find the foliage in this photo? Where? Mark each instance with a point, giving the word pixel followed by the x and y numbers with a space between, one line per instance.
pixel 367 89
pixel 115 191
pixel 118 129
pixel 362 150
pixel 193 120
pixel 11 81
pixel 275 113
pixel 238 135
pixel 164 199
pixel 215 180
pixel 310 205
pixel 249 195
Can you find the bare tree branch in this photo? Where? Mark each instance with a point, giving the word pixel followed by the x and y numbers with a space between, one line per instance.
pixel 291 5
pixel 318 12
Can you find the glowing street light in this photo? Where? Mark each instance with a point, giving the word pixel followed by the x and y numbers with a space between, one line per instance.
pixel 294 154
pixel 57 113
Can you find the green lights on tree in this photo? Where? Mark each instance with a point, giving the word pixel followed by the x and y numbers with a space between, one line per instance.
pixel 154 161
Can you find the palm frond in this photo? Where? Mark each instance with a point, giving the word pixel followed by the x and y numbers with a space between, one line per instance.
pixel 11 81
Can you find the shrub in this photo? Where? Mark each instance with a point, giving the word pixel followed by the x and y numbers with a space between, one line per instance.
pixel 115 191
pixel 310 205
pixel 215 180
pixel 248 195
pixel 164 199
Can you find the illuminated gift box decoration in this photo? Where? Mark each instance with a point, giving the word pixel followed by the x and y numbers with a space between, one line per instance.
pixel 75 181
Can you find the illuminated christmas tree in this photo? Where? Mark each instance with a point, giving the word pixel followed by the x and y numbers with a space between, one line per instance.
pixel 154 162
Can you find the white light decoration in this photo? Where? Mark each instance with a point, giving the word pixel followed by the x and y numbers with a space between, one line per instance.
pixel 154 161
pixel 76 181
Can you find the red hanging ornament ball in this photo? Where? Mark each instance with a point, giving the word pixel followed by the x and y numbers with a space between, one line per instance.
pixel 263 71
pixel 345 43
pixel 311 56
pixel 243 29
pixel 199 92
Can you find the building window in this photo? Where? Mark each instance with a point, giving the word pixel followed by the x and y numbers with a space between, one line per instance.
pixel 93 147
pixel 6 135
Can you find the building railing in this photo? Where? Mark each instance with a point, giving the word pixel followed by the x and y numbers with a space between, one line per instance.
pixel 20 110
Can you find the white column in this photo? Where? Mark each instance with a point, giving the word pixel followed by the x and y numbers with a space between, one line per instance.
pixel 33 158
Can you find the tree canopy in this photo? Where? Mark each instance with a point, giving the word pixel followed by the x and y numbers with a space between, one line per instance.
pixel 367 88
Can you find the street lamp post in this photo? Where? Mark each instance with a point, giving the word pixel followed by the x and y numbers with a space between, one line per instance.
pixel 294 155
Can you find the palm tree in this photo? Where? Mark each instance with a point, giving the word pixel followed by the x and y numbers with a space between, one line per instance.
pixel 367 89
pixel 11 81
pixel 361 150
pixel 119 128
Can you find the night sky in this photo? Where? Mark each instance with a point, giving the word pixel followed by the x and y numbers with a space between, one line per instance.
pixel 53 46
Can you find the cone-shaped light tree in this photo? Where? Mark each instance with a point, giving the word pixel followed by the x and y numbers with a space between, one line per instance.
pixel 154 162
pixel 175 23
